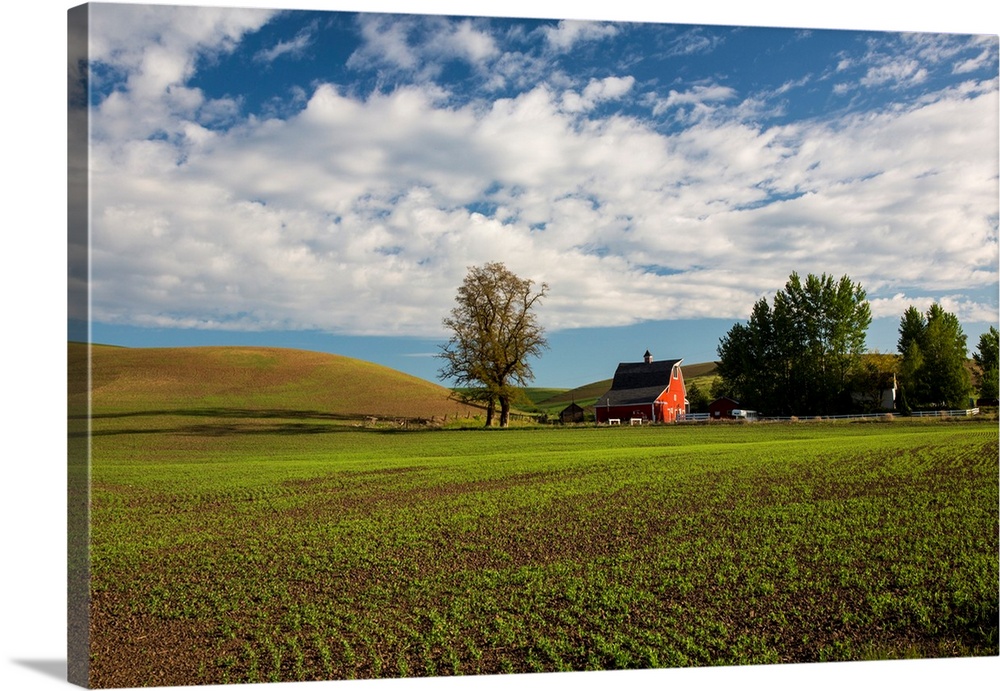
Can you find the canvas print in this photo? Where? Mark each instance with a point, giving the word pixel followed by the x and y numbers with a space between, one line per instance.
pixel 410 345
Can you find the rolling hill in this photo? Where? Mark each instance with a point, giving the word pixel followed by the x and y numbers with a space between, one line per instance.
pixel 257 379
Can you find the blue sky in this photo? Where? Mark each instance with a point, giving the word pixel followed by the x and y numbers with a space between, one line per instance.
pixel 323 180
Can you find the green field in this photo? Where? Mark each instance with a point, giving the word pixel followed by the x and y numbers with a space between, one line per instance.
pixel 239 545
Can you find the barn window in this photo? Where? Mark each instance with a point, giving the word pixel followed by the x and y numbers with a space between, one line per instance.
pixel 676 371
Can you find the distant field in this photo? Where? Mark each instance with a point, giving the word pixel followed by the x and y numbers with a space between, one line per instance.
pixel 240 546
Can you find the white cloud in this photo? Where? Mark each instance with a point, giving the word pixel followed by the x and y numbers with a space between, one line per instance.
pixel 611 87
pixel 465 41
pixel 697 101
pixel 420 45
pixel 293 47
pixel 596 91
pixel 966 310
pixel 978 62
pixel 793 84
pixel 157 48
pixel 693 41
pixel 361 214
pixel 900 72
pixel 568 33
pixel 908 61
pixel 385 42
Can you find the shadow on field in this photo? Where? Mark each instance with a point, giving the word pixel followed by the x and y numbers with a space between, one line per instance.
pixel 246 413
pixel 233 421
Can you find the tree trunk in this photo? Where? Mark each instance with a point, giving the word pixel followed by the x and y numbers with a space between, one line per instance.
pixel 490 409
pixel 504 411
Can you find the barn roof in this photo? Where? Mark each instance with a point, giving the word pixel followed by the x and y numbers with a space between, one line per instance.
pixel 639 382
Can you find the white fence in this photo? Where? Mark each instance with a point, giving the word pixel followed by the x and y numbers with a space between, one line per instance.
pixel 695 417
pixel 701 417
pixel 945 413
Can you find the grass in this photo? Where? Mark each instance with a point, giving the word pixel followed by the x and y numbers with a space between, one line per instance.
pixel 263 548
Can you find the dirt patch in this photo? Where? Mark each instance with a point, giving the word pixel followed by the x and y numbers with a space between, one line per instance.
pixel 136 650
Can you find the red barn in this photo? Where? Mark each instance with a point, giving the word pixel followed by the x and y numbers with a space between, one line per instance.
pixel 646 391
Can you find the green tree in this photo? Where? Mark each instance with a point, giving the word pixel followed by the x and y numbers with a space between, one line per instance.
pixel 753 367
pixel 912 326
pixel 494 332
pixel 798 356
pixel 697 398
pixel 829 323
pixel 987 358
pixel 933 354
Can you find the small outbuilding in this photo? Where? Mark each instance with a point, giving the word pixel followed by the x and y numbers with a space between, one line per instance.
pixel 571 413
pixel 881 395
pixel 722 408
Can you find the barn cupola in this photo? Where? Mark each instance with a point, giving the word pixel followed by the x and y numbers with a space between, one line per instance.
pixel 647 358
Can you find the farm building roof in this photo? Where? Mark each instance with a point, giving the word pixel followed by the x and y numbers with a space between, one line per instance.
pixel 639 382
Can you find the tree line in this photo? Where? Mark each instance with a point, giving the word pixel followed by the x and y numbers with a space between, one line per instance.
pixel 804 354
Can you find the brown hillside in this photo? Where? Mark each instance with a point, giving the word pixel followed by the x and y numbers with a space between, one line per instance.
pixel 255 378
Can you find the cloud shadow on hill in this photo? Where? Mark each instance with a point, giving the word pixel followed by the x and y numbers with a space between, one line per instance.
pixel 245 421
